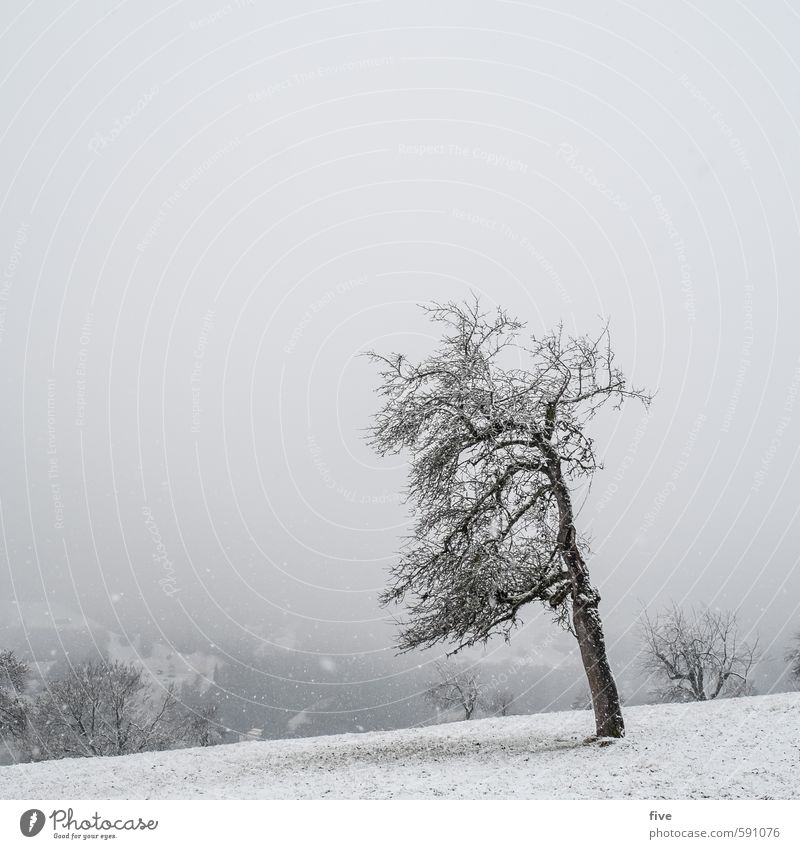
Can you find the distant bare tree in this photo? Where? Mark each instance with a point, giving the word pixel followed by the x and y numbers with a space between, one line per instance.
pixel 793 657
pixel 201 726
pixel 498 702
pixel 199 708
pixel 13 710
pixel 456 688
pixel 698 655
pixel 496 431
pixel 103 708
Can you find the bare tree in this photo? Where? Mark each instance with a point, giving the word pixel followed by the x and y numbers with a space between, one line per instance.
pixel 103 708
pixel 456 688
pixel 793 657
pixel 13 709
pixel 698 655
pixel 498 702
pixel 200 724
pixel 496 432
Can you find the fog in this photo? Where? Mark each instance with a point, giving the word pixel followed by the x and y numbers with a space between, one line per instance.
pixel 209 210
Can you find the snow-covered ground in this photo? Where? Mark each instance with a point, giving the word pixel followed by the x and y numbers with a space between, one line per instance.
pixel 735 749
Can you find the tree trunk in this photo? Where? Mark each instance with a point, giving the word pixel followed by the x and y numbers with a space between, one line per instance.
pixel 586 620
pixel 589 630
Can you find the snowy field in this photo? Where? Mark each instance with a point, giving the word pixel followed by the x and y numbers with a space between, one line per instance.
pixel 736 749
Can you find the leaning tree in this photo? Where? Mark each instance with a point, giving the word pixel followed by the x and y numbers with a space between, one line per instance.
pixel 496 433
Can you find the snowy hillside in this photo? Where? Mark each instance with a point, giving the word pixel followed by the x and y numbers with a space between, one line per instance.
pixel 739 748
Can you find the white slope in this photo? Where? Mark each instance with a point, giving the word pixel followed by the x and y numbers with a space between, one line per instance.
pixel 734 749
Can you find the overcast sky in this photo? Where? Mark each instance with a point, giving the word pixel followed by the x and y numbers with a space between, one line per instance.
pixel 209 209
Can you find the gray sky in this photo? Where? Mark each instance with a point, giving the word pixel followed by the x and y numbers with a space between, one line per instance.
pixel 209 209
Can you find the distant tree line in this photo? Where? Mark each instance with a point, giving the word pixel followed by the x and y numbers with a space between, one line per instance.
pixel 103 707
pixel 690 656
pixel 99 708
